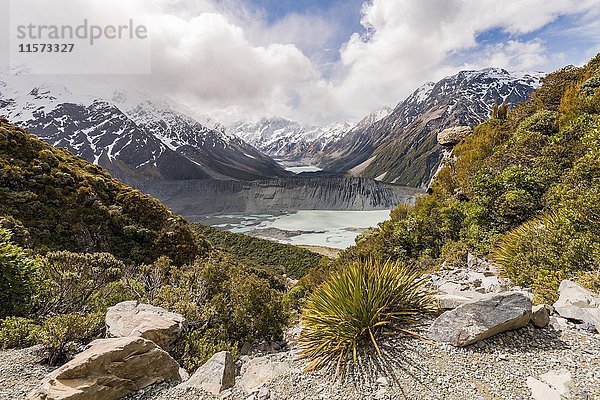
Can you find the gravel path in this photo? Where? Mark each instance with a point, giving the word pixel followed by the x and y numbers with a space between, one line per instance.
pixel 496 368
pixel 20 372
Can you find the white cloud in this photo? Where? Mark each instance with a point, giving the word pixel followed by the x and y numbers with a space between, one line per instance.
pixel 225 59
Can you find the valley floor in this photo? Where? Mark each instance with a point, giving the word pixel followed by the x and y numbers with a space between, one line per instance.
pixel 496 368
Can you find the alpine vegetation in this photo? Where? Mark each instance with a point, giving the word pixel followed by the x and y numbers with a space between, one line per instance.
pixel 345 318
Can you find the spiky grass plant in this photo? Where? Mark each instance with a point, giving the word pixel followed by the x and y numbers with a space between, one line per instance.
pixel 345 318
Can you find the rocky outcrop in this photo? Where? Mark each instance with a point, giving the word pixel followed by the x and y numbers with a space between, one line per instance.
pixel 109 369
pixel 198 197
pixel 129 318
pixel 216 375
pixel 260 371
pixel 480 319
pixel 458 286
pixel 579 304
pixel 452 136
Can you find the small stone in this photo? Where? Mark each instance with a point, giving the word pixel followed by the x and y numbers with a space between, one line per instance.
pixel 558 323
pixel 382 381
pixel 559 380
pixel 540 315
pixel 263 393
pixel 541 391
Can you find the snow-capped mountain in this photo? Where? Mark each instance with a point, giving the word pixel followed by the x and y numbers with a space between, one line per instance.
pixel 402 147
pixel 288 140
pixel 133 135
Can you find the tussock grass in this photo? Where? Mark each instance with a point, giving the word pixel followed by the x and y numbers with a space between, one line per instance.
pixel 345 318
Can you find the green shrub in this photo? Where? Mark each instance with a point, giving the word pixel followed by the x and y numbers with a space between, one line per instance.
pixel 74 278
pixel 296 297
pixel 259 313
pixel 62 335
pixel 17 332
pixel 543 122
pixel 19 278
pixel 276 258
pixel 113 293
pixel 195 348
pixel 347 314
pixel 591 280
pixel 544 251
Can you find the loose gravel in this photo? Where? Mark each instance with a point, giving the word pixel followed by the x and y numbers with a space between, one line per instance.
pixel 20 372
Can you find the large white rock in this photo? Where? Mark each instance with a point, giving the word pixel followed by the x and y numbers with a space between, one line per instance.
pixel 449 301
pixel 144 320
pixel 454 135
pixel 577 303
pixel 260 371
pixel 108 370
pixel 482 318
pixel 216 375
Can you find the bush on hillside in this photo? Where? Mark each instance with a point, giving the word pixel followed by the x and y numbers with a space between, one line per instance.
pixel 20 278
pixel 195 348
pixel 62 335
pixel 18 332
pixel 72 279
pixel 544 251
pixel 277 258
pixel 67 203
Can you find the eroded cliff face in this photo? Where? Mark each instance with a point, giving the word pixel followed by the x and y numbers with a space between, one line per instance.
pixel 196 197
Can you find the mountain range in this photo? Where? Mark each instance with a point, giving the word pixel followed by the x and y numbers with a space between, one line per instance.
pixel 396 144
pixel 402 147
pixel 142 139
pixel 136 137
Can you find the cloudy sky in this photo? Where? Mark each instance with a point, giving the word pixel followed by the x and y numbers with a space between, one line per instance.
pixel 323 61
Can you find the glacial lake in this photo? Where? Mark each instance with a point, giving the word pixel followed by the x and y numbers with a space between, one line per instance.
pixel 336 229
pixel 303 168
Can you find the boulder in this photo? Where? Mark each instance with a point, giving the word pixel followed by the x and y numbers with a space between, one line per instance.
pixel 260 371
pixel 579 304
pixel 453 136
pixel 150 322
pixel 540 315
pixel 482 318
pixel 450 301
pixel 109 369
pixel 215 376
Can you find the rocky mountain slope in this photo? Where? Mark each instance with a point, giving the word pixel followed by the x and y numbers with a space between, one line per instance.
pixel 288 140
pixel 196 197
pixel 58 201
pixel 402 148
pixel 134 136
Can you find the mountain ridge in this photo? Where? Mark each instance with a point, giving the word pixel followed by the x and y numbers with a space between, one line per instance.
pixel 133 135
pixel 402 148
